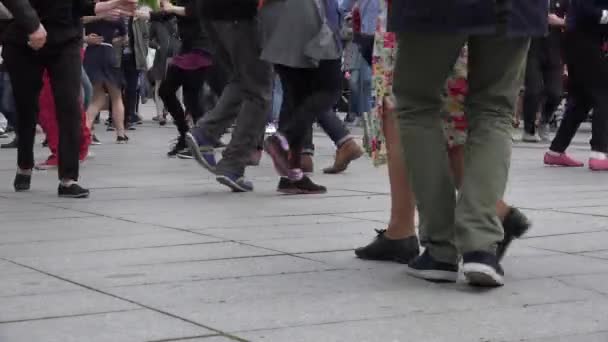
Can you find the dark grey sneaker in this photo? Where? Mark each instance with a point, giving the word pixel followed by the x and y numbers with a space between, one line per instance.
pixel 515 225
pixel 384 249
pixel 72 191
pixel 22 182
pixel 427 268
pixel 482 269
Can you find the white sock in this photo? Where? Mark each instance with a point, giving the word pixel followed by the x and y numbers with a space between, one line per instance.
pixel 24 172
pixel 68 182
pixel 598 155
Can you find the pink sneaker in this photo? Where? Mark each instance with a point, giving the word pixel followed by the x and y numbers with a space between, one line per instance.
pixel 598 164
pixel 562 160
pixel 51 163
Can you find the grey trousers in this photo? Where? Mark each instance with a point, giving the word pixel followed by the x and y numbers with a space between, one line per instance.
pixel 247 96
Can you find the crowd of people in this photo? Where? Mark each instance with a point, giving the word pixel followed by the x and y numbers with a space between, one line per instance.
pixel 435 85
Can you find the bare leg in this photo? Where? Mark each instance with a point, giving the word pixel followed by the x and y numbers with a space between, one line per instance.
pixel 403 208
pixel 118 109
pixel 97 103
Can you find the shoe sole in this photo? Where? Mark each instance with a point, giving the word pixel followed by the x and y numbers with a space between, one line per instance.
pixel 280 163
pixel 236 187
pixel 562 165
pixel 184 157
pixel 300 192
pixel 435 276
pixel 196 153
pixel 482 275
pixel 45 167
pixel 75 196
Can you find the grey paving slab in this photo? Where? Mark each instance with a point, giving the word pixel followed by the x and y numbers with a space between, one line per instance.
pixel 164 256
pixel 140 241
pixel 192 271
pixel 593 337
pixel 7 268
pixel 315 244
pixel 596 282
pixel 553 265
pixel 489 325
pixel 141 325
pixel 572 243
pixel 207 339
pixel 31 283
pixel 71 303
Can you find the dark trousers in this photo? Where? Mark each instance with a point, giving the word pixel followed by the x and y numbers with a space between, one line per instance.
pixel 543 82
pixel 130 95
pixel 587 89
pixel 26 67
pixel 332 126
pixel 192 83
pixel 309 93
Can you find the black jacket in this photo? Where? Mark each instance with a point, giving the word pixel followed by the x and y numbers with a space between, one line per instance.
pixel 586 15
pixel 229 9
pixel 61 19
pixel 190 29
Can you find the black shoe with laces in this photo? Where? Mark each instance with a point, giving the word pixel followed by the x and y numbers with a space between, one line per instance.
pixel 122 139
pixel 179 147
pixel 72 191
pixel 482 269
pixel 385 249
pixel 427 268
pixel 22 182
pixel 515 225
pixel 304 186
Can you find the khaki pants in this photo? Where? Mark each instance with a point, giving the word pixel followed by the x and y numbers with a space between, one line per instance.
pixel 453 226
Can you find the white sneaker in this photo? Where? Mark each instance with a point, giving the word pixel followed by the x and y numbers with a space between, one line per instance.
pixel 543 133
pixel 271 129
pixel 530 138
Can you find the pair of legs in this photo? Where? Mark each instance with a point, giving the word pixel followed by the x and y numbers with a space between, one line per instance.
pixel 588 89
pixel 191 82
pixel 245 101
pixel 543 81
pixel 26 68
pixel 99 101
pixel 130 92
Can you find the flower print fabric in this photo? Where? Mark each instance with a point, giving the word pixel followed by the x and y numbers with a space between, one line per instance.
pixel 385 50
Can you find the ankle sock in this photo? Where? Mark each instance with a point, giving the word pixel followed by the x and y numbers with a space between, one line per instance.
pixel 295 174
pixel 598 155
pixel 24 172
pixel 67 182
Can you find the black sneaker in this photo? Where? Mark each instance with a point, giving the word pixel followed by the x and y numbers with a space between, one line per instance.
pixel 22 182
pixel 122 139
pixel 179 147
pixel 72 191
pixel 482 269
pixel 515 224
pixel 185 154
pixel 427 268
pixel 304 186
pixel 385 249
pixel 95 141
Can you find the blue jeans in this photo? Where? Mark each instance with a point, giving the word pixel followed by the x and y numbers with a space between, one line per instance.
pixel 7 101
pixel 361 89
pixel 87 89
pixel 332 126
pixel 277 100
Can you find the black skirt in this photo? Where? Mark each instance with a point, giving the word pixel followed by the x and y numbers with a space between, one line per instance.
pixel 102 67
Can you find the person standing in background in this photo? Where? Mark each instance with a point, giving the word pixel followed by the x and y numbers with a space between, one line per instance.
pixel 48 35
pixel 544 75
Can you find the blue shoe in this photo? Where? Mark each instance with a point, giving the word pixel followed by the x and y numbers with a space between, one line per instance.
pixel 205 159
pixel 427 268
pixel 236 183
pixel 482 269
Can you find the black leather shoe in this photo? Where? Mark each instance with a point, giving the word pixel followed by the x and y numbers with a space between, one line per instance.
pixel 515 224
pixel 22 182
pixel 384 249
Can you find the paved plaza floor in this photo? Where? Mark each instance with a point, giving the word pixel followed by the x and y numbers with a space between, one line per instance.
pixel 161 252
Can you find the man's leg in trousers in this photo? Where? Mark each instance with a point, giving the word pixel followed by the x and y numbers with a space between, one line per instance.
pixel 254 79
pixel 334 127
pixel 65 74
pixel 553 82
pixel 489 109
pixel 421 71
pixel 533 92
pixel 26 79
pixel 193 83
pixel 217 122
pixel 168 93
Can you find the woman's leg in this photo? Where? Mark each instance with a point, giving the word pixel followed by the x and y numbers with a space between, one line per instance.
pixel 118 109
pixel 193 85
pixel 97 103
